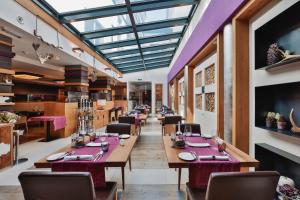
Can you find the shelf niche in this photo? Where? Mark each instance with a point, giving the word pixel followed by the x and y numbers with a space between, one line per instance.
pixel 280 98
pixel 284 29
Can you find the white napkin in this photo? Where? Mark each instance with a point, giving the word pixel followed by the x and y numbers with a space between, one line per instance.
pixel 192 144
pixel 210 157
pixel 78 157
pixel 196 134
pixel 93 144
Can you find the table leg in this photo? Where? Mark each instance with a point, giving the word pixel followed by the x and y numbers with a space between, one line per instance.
pixel 48 137
pixel 179 178
pixel 129 160
pixel 123 178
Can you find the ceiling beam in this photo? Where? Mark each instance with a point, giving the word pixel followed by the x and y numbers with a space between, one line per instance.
pixel 114 10
pixel 142 41
pixel 151 59
pixel 142 69
pixel 133 51
pixel 140 27
pixel 146 63
pixel 146 57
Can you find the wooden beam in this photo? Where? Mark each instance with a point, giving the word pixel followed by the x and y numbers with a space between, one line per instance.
pixel 36 10
pixel 240 93
pixel 189 95
pixel 220 85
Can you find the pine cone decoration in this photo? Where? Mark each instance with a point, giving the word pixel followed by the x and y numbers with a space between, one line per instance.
pixel 275 54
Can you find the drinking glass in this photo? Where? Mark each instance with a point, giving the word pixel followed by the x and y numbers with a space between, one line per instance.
pixel 103 137
pixel 188 130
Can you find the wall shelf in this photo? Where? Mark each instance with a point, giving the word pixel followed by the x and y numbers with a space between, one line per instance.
pixel 280 65
pixel 7 104
pixel 285 132
pixel 7 84
pixel 7 94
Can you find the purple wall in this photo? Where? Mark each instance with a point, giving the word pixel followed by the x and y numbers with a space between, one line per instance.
pixel 215 16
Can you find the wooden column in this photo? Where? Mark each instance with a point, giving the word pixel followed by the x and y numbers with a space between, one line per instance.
pixel 220 85
pixel 240 87
pixel 189 93
pixel 176 99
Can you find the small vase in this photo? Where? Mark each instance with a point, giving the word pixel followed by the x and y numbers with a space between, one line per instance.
pixel 268 123
pixel 281 125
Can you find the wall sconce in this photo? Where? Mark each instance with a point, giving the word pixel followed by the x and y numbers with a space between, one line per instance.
pixel 77 50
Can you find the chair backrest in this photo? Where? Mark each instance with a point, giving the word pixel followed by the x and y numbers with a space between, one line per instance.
pixel 195 128
pixel 57 185
pixel 127 119
pixel 172 119
pixel 141 110
pixel 120 128
pixel 242 186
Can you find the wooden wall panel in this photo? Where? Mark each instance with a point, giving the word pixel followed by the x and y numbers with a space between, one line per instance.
pixel 189 96
pixel 6 138
pixel 220 85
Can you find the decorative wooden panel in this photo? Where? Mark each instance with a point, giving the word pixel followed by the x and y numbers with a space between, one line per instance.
pixel 210 75
pixel 199 101
pixel 210 102
pixel 198 79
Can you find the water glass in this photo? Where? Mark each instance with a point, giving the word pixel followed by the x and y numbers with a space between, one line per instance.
pixel 188 130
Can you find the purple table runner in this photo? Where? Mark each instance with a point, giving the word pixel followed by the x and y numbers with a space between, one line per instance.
pixel 200 170
pixel 96 168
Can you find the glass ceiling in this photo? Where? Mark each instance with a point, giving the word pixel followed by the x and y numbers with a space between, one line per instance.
pixel 133 35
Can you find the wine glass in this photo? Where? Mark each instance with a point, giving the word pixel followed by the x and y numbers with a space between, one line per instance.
pixel 103 137
pixel 188 130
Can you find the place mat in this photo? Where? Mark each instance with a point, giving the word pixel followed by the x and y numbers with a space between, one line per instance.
pixel 96 168
pixel 200 170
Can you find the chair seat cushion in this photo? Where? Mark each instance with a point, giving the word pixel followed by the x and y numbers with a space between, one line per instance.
pixel 195 194
pixel 107 193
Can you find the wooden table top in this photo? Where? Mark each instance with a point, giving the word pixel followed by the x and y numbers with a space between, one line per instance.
pixel 117 158
pixel 175 162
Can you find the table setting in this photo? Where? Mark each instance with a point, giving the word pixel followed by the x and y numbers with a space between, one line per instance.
pixel 205 154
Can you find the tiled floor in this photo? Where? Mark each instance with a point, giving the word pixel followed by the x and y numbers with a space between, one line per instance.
pixel 150 177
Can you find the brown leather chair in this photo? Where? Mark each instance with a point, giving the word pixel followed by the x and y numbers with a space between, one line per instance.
pixel 238 186
pixel 64 186
pixel 195 128
pixel 121 128
pixel 169 124
pixel 129 120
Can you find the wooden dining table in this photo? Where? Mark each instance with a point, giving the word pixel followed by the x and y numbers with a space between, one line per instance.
pixel 118 158
pixel 174 161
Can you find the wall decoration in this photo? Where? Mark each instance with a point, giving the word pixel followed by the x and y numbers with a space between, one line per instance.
pixel 210 102
pixel 294 128
pixel 210 75
pixel 199 101
pixel 277 54
pixel 198 79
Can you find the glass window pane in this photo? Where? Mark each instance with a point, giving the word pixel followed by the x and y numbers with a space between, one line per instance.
pixel 124 56
pixel 163 42
pixel 119 49
pixel 113 38
pixel 162 14
pixel 158 57
pixel 102 23
pixel 66 6
pixel 139 59
pixel 158 51
pixel 161 31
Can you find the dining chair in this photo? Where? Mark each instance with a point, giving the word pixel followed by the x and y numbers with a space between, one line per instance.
pixel 169 124
pixel 195 127
pixel 129 120
pixel 260 185
pixel 120 128
pixel 64 186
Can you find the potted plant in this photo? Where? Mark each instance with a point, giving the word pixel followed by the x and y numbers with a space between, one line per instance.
pixel 270 119
pixel 8 117
pixel 281 122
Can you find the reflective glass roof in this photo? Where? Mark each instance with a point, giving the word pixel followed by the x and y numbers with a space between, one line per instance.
pixel 133 35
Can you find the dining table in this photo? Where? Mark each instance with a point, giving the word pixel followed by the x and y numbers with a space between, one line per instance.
pixel 174 161
pixel 117 158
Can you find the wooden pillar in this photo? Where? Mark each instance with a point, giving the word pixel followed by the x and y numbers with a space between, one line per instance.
pixel 189 93
pixel 240 86
pixel 220 85
pixel 176 99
